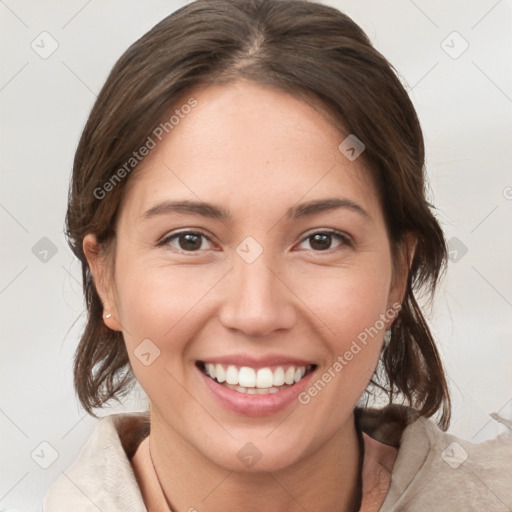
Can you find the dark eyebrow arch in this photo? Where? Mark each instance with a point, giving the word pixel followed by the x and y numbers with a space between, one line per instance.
pixel 323 205
pixel 216 212
pixel 190 207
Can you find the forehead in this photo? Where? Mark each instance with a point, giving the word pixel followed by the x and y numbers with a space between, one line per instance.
pixel 244 145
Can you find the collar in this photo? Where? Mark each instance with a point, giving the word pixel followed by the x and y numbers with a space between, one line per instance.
pixel 103 474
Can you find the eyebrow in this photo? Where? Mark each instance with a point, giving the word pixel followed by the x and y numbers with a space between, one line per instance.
pixel 217 212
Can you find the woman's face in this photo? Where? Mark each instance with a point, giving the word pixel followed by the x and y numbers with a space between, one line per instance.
pixel 250 247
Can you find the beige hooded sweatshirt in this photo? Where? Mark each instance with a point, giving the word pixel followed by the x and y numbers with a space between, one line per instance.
pixel 410 465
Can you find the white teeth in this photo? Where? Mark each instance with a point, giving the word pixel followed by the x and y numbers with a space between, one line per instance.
pixel 288 376
pixel 220 374
pixel 278 376
pixel 264 378
pixel 247 377
pixel 254 391
pixel 253 381
pixel 231 375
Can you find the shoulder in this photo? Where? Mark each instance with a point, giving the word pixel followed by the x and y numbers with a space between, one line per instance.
pixel 102 477
pixel 435 470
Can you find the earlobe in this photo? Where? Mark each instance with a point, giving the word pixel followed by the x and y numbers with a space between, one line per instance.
pixel 99 272
pixel 402 270
pixel 92 254
pixel 411 243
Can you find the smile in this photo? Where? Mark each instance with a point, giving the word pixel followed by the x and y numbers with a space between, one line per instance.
pixel 260 381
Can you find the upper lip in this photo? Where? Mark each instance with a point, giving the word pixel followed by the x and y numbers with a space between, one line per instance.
pixel 257 362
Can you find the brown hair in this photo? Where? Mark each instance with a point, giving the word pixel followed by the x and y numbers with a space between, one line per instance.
pixel 300 47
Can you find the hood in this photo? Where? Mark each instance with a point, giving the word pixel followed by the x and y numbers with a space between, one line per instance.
pixel 433 471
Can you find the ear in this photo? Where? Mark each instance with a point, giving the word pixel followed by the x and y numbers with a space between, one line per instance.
pixel 102 278
pixel 401 269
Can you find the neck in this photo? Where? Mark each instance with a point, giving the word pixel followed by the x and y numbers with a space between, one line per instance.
pixel 328 478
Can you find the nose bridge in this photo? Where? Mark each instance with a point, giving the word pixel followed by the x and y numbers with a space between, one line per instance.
pixel 256 300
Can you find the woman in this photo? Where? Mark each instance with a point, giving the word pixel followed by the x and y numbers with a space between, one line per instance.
pixel 248 206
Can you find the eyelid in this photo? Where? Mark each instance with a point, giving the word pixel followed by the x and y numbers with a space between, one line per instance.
pixel 347 239
pixel 173 234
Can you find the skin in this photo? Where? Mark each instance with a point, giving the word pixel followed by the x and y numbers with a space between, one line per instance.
pixel 255 159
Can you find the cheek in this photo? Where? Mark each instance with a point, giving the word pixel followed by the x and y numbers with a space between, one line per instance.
pixel 349 305
pixel 160 302
pixel 347 300
pixel 159 306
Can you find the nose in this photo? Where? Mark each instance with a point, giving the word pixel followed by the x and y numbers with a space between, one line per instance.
pixel 257 300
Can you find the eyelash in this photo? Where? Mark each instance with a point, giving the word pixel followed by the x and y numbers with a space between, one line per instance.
pixel 343 238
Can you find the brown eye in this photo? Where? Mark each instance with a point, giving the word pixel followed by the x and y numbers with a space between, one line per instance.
pixel 325 240
pixel 321 241
pixel 190 241
pixel 186 241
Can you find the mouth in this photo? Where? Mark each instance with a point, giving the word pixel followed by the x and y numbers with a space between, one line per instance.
pixel 256 381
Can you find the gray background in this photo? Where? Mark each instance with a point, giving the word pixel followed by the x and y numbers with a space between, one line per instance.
pixel 464 100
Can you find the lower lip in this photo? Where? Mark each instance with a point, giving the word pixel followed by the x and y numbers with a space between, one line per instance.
pixel 255 405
